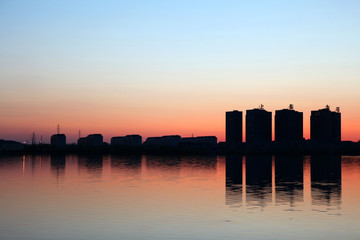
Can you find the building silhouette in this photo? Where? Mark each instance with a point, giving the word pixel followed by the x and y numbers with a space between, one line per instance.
pixel 288 125
pixel 128 140
pixel 234 127
pixel 58 140
pixel 6 145
pixel 92 140
pixel 168 141
pixel 258 126
pixel 325 125
pixel 202 141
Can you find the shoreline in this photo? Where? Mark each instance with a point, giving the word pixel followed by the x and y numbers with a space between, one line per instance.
pixel 222 148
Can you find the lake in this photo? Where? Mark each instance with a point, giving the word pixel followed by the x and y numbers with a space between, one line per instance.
pixel 179 197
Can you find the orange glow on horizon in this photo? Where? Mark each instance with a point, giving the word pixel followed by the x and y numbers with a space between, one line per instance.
pixel 197 122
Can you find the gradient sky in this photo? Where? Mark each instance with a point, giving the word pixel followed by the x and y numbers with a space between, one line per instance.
pixel 173 67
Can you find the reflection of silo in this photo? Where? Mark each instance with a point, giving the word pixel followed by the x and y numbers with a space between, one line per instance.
pixel 233 179
pixel 92 163
pixel 289 179
pixel 326 179
pixel 258 180
pixel 57 165
pixel 129 165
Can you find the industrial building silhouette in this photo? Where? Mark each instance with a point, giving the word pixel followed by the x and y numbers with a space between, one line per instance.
pixel 288 125
pixel 234 127
pixel 325 126
pixel 287 137
pixel 258 126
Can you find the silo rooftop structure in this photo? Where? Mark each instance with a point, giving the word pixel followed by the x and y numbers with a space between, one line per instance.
pixel 325 125
pixel 234 127
pixel 288 125
pixel 258 126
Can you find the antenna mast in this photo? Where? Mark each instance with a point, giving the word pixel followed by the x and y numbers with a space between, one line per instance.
pixel 58 129
pixel 33 138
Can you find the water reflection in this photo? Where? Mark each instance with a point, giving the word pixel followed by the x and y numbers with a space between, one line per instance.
pixel 258 180
pixel 202 162
pixel 169 168
pixel 201 167
pixel 326 180
pixel 163 162
pixel 234 179
pixel 91 165
pixel 251 181
pixel 163 168
pixel 262 179
pixel 126 165
pixel 164 197
pixel 57 166
pixel 289 179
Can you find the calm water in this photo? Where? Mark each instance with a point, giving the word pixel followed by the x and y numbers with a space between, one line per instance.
pixel 168 197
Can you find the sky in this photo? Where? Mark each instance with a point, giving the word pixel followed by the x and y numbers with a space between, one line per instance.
pixel 173 67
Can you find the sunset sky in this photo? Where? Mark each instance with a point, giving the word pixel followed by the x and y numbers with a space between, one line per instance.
pixel 173 67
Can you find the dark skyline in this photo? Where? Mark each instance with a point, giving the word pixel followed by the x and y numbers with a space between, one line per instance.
pixel 288 128
pixel 325 125
pixel 288 125
pixel 234 123
pixel 258 126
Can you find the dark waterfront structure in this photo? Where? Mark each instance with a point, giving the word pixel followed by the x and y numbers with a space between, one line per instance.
pixel 325 126
pixel 58 140
pixel 168 141
pixel 288 125
pixel 234 127
pixel 93 140
pixel 202 141
pixel 128 140
pixel 258 126
pixel 11 146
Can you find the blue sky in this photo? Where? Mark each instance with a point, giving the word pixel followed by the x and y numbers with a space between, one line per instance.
pixel 209 56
